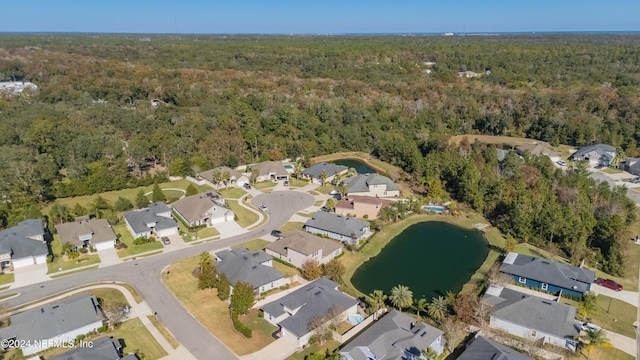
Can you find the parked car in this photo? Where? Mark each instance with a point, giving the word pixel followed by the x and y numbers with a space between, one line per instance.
pixel 561 163
pixel 608 283
pixel 598 167
pixel 286 183
pixel 165 240
pixel 263 208
pixel 247 186
pixel 589 326
pixel 276 233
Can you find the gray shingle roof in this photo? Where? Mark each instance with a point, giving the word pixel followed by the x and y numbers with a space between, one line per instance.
pixel 51 320
pixel 316 170
pixel 196 207
pixel 304 243
pixel 601 149
pixel 104 348
pixel 549 271
pixel 481 348
pixel 390 336
pixel 338 224
pixel 360 183
pixel 98 229
pixel 313 300
pixel 536 149
pixel 16 240
pixel 242 265
pixel 138 219
pixel 533 312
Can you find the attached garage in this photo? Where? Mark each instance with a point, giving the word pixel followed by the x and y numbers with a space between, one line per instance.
pixel 168 231
pixel 26 261
pixel 104 245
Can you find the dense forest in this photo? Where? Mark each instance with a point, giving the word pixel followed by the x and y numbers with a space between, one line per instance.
pixel 228 100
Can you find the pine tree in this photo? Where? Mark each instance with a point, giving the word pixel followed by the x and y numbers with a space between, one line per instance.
pixel 224 288
pixel 141 200
pixel 158 195
pixel 243 297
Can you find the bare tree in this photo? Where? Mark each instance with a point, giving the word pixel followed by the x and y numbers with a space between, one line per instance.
pixel 114 311
pixel 323 326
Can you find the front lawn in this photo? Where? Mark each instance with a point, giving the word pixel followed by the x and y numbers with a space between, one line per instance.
pixel 59 265
pixel 245 216
pixel 610 170
pixel 205 306
pixel 325 189
pixel 293 182
pixel 600 353
pixel 264 185
pixel 619 318
pixel 6 278
pixel 292 226
pixel 125 237
pixel 253 245
pixel 329 345
pixel 232 193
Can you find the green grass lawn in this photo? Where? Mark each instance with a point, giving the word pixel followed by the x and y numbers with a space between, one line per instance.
pixel 293 182
pixel 318 203
pixel 108 295
pixel 245 216
pixel 291 226
pixel 253 245
pixel 264 185
pixel 309 215
pixel 288 271
pixel 196 235
pixel 232 193
pixel 329 345
pixel 213 313
pixel 58 263
pixel 325 189
pixel 125 237
pixel 172 195
pixel 601 353
pixel 619 318
pixel 610 170
pixel 7 278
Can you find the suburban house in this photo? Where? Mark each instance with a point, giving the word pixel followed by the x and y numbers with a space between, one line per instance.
pixel 203 209
pixel 596 155
pixel 156 219
pixel 104 348
pixel 537 150
pixel 23 245
pixel 372 185
pixel 270 170
pixel 338 227
pixel 85 232
pixel 531 317
pixel 547 275
pixel 297 247
pixel 45 326
pixel 254 267
pixel 361 206
pixel 631 165
pixel 481 348
pixel 294 312
pixel 314 173
pixel 394 336
pixel 236 178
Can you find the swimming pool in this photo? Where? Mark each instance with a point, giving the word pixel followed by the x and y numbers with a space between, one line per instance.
pixel 288 166
pixel 437 209
pixel 355 319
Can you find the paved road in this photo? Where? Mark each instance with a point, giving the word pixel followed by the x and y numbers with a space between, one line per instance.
pixel 144 274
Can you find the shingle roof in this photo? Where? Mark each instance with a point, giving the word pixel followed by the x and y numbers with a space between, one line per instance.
pixel 51 320
pixel 316 170
pixel 548 271
pixel 338 224
pixel 99 229
pixel 391 335
pixel 16 241
pixel 348 201
pixel 360 183
pixel 138 219
pixel 601 149
pixel 208 175
pixel 537 149
pixel 196 207
pixel 269 167
pixel 533 312
pixel 242 265
pixel 313 300
pixel 481 348
pixel 304 243
pixel 104 348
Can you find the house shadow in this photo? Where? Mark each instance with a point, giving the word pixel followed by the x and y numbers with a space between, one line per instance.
pixel 461 347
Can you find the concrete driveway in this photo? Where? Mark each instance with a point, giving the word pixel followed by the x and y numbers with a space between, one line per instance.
pixel 29 275
pixel 109 257
pixel 624 295
pixel 279 349
pixel 228 229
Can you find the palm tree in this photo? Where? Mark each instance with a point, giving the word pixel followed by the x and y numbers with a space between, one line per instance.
pixel 429 353
pixel 438 310
pixel 377 301
pixel 401 297
pixel 421 306
pixel 594 338
pixel 587 306
pixel 217 177
pixel 323 177
pixel 226 176
pixel 205 259
pixel 297 169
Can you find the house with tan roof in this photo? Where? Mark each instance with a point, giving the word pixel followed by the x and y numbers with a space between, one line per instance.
pixel 297 247
pixel 374 185
pixel 270 170
pixel 202 209
pixel 236 178
pixel 537 150
pixel 361 206
pixel 315 172
pixel 85 232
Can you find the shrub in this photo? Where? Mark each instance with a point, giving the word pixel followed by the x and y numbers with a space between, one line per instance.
pixel 80 337
pixel 83 250
pixel 49 258
pixel 242 328
pixel 261 315
pixel 73 254
pixel 102 329
pixel 143 240
pixel 121 246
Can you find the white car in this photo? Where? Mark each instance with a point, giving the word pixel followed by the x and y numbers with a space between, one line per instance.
pixel 263 208
pixel 561 163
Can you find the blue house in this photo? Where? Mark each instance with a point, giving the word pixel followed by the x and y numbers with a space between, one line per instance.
pixel 547 275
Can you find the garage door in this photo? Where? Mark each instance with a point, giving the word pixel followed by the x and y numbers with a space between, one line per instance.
pixel 167 232
pixel 41 259
pixel 104 245
pixel 17 263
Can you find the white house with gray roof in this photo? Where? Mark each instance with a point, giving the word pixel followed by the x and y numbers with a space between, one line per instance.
pixel 314 173
pixel 374 185
pixel 42 327
pixel 599 154
pixel 481 348
pixel 338 227
pixel 396 336
pixel 104 348
pixel 23 245
pixel 253 267
pixel 86 232
pixel 156 219
pixel 531 317
pixel 294 312
pixel 203 209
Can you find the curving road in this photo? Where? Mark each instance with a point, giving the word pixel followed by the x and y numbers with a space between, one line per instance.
pixel 144 275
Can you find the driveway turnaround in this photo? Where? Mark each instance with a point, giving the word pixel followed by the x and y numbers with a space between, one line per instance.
pixel 624 295
pixel 144 274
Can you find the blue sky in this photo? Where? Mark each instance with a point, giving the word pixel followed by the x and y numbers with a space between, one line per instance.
pixel 328 16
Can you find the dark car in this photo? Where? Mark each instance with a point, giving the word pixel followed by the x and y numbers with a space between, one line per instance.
pixel 286 183
pixel 276 233
pixel 247 186
pixel 165 240
pixel 608 283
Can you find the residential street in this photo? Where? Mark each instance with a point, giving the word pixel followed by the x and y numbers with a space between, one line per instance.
pixel 144 274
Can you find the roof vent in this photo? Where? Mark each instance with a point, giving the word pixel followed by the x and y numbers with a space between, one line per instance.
pixel 255 254
pixel 545 262
pixel 318 293
pixel 546 302
pixel 423 334
pixel 254 267
pixel 42 310
pixel 56 306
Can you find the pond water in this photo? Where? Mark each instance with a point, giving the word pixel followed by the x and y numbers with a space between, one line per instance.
pixel 360 167
pixel 431 258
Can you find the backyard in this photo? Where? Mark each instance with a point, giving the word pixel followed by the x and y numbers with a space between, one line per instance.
pixel 126 238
